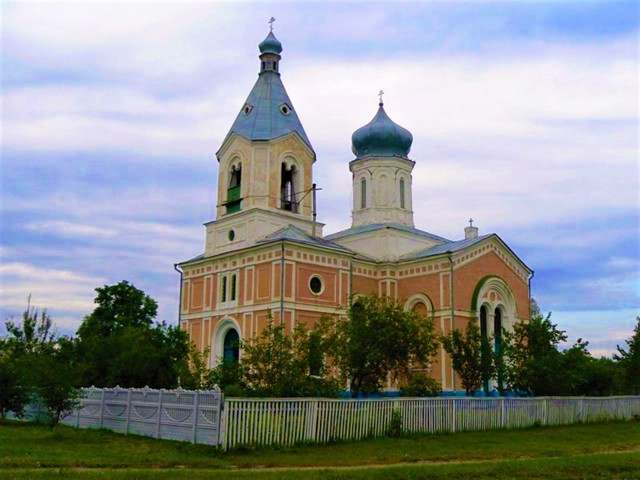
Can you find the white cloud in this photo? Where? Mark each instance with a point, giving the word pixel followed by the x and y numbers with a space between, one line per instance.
pixel 61 292
pixel 602 329
pixel 70 229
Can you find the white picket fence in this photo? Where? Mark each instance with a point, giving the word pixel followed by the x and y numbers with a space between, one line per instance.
pixel 186 415
pixel 206 417
pixel 285 422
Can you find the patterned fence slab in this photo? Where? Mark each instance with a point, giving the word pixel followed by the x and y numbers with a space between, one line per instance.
pixel 193 416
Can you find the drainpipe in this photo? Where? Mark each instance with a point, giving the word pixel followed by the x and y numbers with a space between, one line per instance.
pixel 530 278
pixel 175 267
pixel 282 284
pixel 451 300
pixel 350 282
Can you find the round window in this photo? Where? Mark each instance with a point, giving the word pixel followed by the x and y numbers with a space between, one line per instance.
pixel 315 285
pixel 232 235
pixel 284 108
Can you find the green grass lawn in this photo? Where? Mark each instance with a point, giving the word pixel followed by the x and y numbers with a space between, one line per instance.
pixel 609 450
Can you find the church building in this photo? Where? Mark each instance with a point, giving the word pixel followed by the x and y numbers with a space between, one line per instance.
pixel 265 253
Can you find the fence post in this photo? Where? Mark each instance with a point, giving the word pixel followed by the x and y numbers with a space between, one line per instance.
pixel 126 425
pixel 453 416
pixel 502 412
pixel 545 410
pixel 196 404
pixel 222 434
pixel 78 411
pixel 312 421
pixel 158 431
pixel 101 407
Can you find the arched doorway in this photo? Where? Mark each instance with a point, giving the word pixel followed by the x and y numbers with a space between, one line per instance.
pixel 231 346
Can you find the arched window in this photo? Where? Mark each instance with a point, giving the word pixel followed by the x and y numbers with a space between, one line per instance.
pixel 234 200
pixel 363 193
pixel 484 347
pixel 233 287
pixel 224 289
pixel 497 329
pixel 231 352
pixel 421 309
pixel 287 188
pixel 402 193
pixel 483 321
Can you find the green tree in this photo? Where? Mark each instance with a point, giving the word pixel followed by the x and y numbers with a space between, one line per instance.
pixel 466 352
pixel 575 365
pixel 55 379
pixel 14 392
pixel 119 306
pixel 194 373
pixel 37 365
pixel 35 330
pixel 26 341
pixel 533 357
pixel 229 376
pixel 629 359
pixel 377 339
pixel 120 344
pixel 279 364
pixel 602 378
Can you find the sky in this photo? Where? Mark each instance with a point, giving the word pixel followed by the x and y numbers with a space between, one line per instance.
pixel 524 117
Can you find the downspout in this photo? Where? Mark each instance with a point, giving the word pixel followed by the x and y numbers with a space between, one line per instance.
pixel 530 278
pixel 282 284
pixel 350 281
pixel 175 267
pixel 451 300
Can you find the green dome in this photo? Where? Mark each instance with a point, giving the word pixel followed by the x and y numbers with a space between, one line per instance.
pixel 381 137
pixel 270 45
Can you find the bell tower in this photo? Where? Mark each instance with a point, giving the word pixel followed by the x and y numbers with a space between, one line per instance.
pixel 265 164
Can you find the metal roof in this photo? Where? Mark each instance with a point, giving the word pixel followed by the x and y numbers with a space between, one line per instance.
pixel 295 234
pixel 380 226
pixel 266 118
pixel 448 247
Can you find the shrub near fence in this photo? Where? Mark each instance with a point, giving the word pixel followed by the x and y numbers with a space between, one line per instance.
pixel 186 415
pixel 286 422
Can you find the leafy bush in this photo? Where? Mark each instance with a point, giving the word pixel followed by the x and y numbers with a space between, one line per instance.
pixel 394 428
pixel 420 385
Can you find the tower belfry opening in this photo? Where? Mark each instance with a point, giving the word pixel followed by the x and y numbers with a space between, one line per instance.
pixel 234 200
pixel 287 189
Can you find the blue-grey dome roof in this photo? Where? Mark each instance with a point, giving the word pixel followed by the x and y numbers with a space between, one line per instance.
pixel 381 137
pixel 270 45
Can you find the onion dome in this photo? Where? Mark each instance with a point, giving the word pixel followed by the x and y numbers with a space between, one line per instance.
pixel 381 137
pixel 270 45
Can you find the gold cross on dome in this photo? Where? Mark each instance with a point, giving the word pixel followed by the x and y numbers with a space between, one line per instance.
pixel 271 20
pixel 380 93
